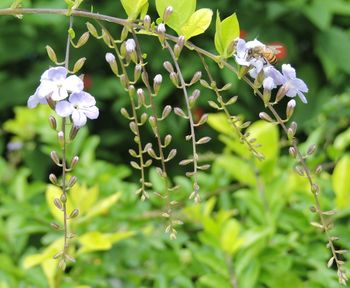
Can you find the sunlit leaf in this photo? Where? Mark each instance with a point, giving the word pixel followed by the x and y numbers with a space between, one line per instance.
pixel 53 192
pixel 134 7
pixel 230 241
pixel 198 22
pixel 226 32
pixel 182 10
pixel 341 182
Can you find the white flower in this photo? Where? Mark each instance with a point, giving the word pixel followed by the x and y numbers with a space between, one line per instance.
pixel 161 28
pixel 80 106
pixel 56 84
pixel 269 84
pixel 130 45
pixel 34 100
pixel 110 58
pixel 293 85
pixel 158 79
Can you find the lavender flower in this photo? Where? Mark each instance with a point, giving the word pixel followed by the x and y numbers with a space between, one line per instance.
pixel 110 57
pixel 294 86
pixel 56 84
pixel 130 45
pixel 80 106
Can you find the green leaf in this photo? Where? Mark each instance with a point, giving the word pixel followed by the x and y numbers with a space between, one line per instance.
pixel 197 23
pixel 219 122
pixel 229 241
pixel 341 182
pixel 214 281
pixel 53 192
pixel 239 169
pixel 210 259
pixel 94 241
pixel 182 11
pixel 226 32
pixel 134 7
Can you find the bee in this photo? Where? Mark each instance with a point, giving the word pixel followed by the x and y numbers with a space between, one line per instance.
pixel 267 52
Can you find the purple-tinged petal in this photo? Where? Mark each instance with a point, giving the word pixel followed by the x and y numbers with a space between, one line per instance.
pixel 240 46
pixel 73 84
pixel 33 101
pixel 79 118
pixel 300 85
pixel 302 97
pixel 91 112
pixel 288 71
pixel 276 75
pixel 269 84
pixel 64 108
pixel 45 89
pixel 57 73
pixel 254 43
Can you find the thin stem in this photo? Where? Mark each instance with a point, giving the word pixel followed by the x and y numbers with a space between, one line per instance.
pixel 195 195
pixel 64 156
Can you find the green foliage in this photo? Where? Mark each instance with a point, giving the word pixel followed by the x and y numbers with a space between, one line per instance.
pixel 185 20
pixel 226 31
pixel 134 8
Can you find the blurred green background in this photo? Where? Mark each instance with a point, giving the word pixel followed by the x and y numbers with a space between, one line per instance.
pixel 252 228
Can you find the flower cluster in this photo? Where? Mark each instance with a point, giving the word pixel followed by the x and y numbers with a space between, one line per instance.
pixel 66 95
pixel 251 56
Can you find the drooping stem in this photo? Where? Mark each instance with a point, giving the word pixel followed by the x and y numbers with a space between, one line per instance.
pixel 195 194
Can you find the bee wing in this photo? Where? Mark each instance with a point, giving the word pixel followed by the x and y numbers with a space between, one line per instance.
pixel 275 48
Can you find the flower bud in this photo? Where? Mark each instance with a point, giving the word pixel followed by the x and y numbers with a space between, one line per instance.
pixel 167 13
pixel 137 72
pixel 265 116
pixel 266 96
pixel 124 81
pixel 53 122
pixel 181 41
pixel 131 90
pixel 147 22
pixel 110 57
pixel 281 93
pixel 72 181
pixel 141 95
pixel 290 108
pixel 53 179
pixel 51 53
pixel 292 152
pixel 314 188
pixel 168 66
pixel 174 79
pixel 73 132
pixel 166 111
pixel 318 170
pixel 161 32
pixel 55 226
pixel 61 140
pixel 196 77
pixel 157 81
pixel 74 213
pixel 74 162
pixel 63 198
pixel 79 64
pixel 83 39
pixel 130 45
pixel 58 203
pixel 55 158
pixel 311 149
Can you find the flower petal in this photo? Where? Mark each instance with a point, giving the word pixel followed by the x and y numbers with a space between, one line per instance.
pixel 79 118
pixel 302 97
pixel 56 73
pixel 91 112
pixel 73 84
pixel 64 108
pixel 288 71
pixel 45 89
pixel 59 94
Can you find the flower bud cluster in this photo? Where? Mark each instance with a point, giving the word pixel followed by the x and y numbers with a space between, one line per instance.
pixel 255 58
pixel 65 95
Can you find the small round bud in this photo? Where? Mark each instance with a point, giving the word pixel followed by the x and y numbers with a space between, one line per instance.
pixel 130 45
pixel 157 81
pixel 290 108
pixel 73 132
pixel 137 72
pixel 58 203
pixel 110 58
pixel 174 79
pixel 292 152
pixel 63 198
pixel 167 13
pixel 53 179
pixel 318 169
pixel 147 22
pixel 161 28
pixel 181 41
pixel 131 90
pixel 314 188
pixel 196 77
pixel 166 111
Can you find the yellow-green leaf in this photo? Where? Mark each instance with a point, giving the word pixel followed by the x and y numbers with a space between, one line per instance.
pixel 198 22
pixel 229 240
pixel 226 32
pixel 94 241
pixel 102 207
pixel 83 198
pixel 182 10
pixel 134 7
pixel 53 192
pixel 341 182
pixel 119 236
pixel 48 253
